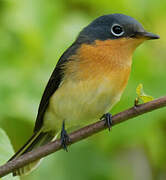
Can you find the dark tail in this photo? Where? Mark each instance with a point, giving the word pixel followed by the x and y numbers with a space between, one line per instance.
pixel 37 139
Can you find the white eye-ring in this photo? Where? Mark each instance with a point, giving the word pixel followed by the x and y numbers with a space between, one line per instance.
pixel 117 30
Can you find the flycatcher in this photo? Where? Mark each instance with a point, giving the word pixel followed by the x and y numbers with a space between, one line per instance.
pixel 87 81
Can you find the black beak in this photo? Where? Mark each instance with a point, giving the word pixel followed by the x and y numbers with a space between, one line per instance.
pixel 146 35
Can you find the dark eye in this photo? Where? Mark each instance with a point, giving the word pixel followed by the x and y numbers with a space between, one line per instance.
pixel 117 30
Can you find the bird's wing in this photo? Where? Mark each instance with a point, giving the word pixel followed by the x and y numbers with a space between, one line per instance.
pixel 53 84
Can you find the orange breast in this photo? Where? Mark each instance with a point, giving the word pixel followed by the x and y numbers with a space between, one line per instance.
pixel 110 59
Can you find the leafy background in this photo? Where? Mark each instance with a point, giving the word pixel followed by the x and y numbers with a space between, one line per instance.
pixel 33 35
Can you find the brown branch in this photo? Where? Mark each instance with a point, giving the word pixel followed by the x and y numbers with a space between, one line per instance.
pixel 80 134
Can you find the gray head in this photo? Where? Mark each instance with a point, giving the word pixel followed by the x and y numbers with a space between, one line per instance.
pixel 114 26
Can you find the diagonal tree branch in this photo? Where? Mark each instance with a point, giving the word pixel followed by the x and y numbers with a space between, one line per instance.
pixel 80 134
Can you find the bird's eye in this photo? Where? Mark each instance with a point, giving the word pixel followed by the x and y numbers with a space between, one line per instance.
pixel 117 30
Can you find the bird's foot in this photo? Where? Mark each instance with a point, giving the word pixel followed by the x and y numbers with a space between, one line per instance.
pixel 64 137
pixel 108 120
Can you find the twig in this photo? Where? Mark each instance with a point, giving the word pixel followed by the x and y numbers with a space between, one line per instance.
pixel 80 134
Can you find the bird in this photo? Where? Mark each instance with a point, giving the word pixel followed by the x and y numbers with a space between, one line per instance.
pixel 87 82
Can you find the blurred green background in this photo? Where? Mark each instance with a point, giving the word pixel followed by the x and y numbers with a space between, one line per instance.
pixel 33 35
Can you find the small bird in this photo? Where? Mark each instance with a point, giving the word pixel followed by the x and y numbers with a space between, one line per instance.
pixel 87 81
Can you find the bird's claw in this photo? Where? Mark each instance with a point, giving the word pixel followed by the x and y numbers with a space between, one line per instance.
pixel 108 120
pixel 64 138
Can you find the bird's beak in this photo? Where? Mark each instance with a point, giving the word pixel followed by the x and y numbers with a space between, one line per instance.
pixel 146 35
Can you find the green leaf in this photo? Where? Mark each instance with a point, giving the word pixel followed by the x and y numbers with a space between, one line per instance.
pixel 139 90
pixel 6 151
pixel 146 98
pixel 141 95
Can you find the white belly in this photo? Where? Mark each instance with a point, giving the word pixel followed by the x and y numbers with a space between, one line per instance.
pixel 79 103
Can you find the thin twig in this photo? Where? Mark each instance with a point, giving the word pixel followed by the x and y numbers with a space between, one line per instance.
pixel 80 134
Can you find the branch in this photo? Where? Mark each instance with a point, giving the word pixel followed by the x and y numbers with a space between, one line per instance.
pixel 79 135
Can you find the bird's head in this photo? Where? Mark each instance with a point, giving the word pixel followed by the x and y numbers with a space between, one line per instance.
pixel 116 27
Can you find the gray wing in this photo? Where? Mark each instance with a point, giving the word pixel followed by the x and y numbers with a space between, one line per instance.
pixel 53 84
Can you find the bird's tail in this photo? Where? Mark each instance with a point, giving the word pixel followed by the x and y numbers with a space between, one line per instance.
pixel 37 139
